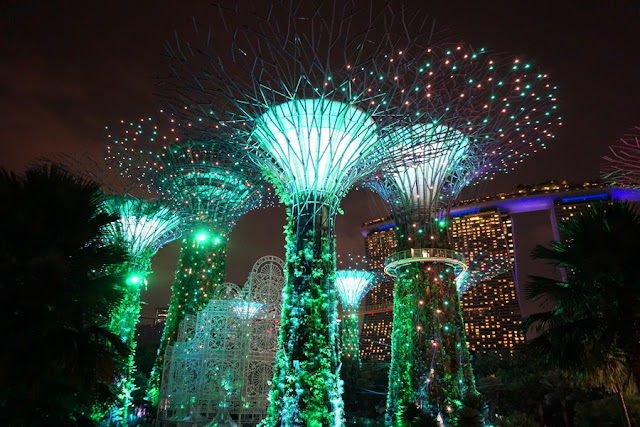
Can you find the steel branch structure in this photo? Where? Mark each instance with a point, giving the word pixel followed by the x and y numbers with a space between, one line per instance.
pixel 622 166
pixel 353 281
pixel 502 110
pixel 212 185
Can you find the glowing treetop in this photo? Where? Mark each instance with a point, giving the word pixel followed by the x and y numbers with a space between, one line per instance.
pixel 623 164
pixel 314 145
pixel 354 280
pixel 142 227
pixel 209 180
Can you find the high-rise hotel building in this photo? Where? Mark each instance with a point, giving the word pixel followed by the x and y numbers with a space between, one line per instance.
pixel 490 308
pixel 375 337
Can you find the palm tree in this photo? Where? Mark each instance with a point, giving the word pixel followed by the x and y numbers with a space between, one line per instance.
pixel 58 285
pixel 593 331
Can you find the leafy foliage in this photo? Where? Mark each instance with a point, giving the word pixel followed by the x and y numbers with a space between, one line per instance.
pixel 58 283
pixel 593 331
pixel 606 412
pixel 306 389
pixel 472 412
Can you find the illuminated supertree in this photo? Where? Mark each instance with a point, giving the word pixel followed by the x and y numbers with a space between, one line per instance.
pixel 211 184
pixel 353 281
pixel 623 165
pixel 310 94
pixel 496 111
pixel 142 228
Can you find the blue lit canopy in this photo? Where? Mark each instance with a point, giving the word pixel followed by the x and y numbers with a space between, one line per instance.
pixel 142 227
pixel 419 184
pixel 315 144
pixel 353 285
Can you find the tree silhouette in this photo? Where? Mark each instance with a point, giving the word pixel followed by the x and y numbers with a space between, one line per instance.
pixel 593 331
pixel 58 285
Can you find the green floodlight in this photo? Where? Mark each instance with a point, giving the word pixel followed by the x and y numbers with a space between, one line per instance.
pixel 135 280
pixel 201 237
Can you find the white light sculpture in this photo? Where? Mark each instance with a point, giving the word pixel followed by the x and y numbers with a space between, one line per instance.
pixel 352 286
pixel 218 370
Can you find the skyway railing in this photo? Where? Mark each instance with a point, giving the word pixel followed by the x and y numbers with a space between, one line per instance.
pixel 419 255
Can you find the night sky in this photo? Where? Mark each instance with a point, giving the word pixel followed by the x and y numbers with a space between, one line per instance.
pixel 69 68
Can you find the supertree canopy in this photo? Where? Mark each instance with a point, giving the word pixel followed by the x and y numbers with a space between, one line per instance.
pixel 212 185
pixel 142 228
pixel 353 281
pixel 622 166
pixel 310 94
pixel 501 111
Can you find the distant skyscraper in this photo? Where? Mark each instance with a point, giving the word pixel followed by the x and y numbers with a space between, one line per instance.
pixel 490 307
pixel 375 338
pixel 161 315
pixel 567 207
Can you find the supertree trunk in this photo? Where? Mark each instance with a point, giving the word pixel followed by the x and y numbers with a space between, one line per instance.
pixel 401 379
pixel 306 386
pixel 430 363
pixel 350 336
pixel 201 269
pixel 123 322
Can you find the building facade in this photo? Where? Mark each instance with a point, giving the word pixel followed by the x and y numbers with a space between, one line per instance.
pixel 490 308
pixel 375 337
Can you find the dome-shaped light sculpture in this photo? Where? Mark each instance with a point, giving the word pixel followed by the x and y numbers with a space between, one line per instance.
pixel 497 112
pixel 353 281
